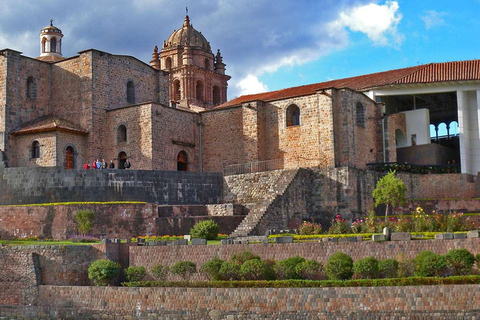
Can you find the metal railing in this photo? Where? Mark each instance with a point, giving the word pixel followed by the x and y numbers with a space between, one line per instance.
pixel 414 168
pixel 257 166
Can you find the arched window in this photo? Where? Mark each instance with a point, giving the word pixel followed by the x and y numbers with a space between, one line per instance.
pixel 293 116
pixel 53 45
pixel 121 133
pixel 130 92
pixel 400 140
pixel 199 90
pixel 31 88
pixel 182 161
pixel 35 150
pixel 44 45
pixel 69 158
pixel 433 131
pixel 122 157
pixel 360 115
pixel 176 90
pixel 453 129
pixel 207 64
pixel 216 95
pixel 442 130
pixel 168 63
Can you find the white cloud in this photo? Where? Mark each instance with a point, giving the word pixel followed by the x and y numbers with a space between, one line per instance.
pixel 433 18
pixel 250 84
pixel 378 22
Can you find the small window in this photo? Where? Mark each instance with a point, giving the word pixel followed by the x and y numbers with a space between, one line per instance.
pixel 122 133
pixel 44 45
pixel 182 161
pixel 293 115
pixel 69 158
pixel 176 90
pixel 31 88
pixel 360 115
pixel 216 95
pixel 53 45
pixel 130 92
pixel 207 64
pixel 35 150
pixel 199 90
pixel 168 63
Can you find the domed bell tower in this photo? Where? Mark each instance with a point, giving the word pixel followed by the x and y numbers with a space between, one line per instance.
pixel 51 43
pixel 197 76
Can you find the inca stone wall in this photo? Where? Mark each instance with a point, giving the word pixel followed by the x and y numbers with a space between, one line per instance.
pixel 53 184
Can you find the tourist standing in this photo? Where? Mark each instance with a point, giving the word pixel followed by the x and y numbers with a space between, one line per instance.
pixel 127 164
pixel 99 164
pixel 104 164
pixel 111 166
pixel 94 164
pixel 86 166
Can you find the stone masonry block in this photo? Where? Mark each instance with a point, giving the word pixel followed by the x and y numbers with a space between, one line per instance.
pixel 285 239
pixel 378 237
pixel 473 234
pixel 196 241
pixel 460 236
pixel 401 236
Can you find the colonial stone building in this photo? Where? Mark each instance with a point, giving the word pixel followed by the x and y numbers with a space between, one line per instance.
pixel 173 114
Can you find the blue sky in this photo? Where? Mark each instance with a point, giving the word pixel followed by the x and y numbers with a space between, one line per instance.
pixel 266 44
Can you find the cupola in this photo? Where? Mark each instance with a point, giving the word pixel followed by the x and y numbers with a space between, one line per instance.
pixel 51 43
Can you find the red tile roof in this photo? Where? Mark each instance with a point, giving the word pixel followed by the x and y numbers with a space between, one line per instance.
pixel 49 123
pixel 428 73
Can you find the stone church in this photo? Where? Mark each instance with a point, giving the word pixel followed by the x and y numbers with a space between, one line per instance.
pixel 173 113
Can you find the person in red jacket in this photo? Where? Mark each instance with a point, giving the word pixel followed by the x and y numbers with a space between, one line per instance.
pixel 94 165
pixel 86 166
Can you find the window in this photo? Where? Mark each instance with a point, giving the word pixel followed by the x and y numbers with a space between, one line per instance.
pixel 121 133
pixel 53 45
pixel 31 88
pixel 69 158
pixel 199 90
pixel 176 90
pixel 293 115
pixel 35 150
pixel 182 161
pixel 130 92
pixel 44 45
pixel 168 63
pixel 207 64
pixel 360 115
pixel 216 95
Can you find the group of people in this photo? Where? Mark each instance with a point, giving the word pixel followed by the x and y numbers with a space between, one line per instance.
pixel 97 164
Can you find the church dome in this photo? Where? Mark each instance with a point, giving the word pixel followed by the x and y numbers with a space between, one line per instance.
pixel 50 29
pixel 187 36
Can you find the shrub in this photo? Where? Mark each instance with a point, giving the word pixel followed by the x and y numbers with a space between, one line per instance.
pixel 339 225
pixel 184 269
pixel 229 271
pixel 257 270
pixel 388 268
pixel 103 271
pixel 310 270
pixel 309 228
pixel 135 274
pixel 339 266
pixel 286 269
pixel 460 261
pixel 160 272
pixel 211 268
pixel 206 229
pixel 419 260
pixel 366 268
pixel 433 265
pixel 240 258
pixel 406 267
pixel 85 220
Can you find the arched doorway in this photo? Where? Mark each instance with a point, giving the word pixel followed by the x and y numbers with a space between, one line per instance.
pixel 400 140
pixel 69 158
pixel 182 161
pixel 122 157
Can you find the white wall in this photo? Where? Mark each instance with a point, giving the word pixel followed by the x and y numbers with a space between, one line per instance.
pixel 417 123
pixel 468 110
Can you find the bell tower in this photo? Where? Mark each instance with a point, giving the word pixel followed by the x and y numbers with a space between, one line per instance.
pixel 197 77
pixel 51 43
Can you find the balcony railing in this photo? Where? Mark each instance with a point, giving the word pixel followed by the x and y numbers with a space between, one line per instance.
pixel 414 168
pixel 256 166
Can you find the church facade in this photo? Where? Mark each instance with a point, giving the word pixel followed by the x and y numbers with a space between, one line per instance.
pixel 173 113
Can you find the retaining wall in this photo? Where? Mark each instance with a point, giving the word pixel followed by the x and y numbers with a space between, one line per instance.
pixel 53 184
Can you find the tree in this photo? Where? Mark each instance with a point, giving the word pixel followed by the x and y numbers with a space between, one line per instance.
pixel 390 190
pixel 85 220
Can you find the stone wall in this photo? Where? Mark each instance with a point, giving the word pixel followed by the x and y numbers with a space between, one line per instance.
pixel 431 302
pixel 151 256
pixel 43 185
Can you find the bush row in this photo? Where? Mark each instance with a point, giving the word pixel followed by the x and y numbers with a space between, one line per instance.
pixel 246 266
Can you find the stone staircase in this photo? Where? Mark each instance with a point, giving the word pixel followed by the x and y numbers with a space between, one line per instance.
pixel 256 214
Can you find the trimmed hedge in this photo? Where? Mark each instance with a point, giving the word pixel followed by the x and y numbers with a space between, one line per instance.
pixel 413 281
